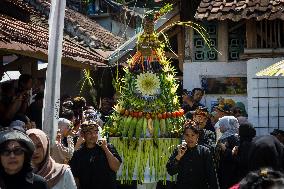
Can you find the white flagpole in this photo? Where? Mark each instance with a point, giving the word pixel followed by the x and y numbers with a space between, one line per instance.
pixel 53 75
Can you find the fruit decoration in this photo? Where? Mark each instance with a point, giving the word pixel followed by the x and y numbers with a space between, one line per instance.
pixel 147 121
pixel 148 106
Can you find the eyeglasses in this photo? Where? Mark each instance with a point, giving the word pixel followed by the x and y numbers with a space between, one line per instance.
pixel 15 151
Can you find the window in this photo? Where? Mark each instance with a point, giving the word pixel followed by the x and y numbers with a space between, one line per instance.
pixel 201 51
pixel 236 39
pixel 270 34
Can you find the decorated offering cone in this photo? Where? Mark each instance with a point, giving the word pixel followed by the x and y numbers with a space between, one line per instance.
pixel 147 122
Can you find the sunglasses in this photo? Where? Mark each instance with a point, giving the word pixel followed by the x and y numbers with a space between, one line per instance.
pixel 15 151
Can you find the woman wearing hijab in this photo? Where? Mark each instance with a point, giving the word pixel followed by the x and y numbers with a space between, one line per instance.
pixel 16 150
pixel 226 164
pixel 58 176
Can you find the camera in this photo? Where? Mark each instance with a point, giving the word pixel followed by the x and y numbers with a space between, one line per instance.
pixel 100 140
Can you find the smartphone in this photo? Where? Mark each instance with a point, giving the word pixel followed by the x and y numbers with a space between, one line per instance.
pixel 183 145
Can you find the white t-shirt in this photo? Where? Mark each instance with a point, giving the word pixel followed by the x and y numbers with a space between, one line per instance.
pixel 66 182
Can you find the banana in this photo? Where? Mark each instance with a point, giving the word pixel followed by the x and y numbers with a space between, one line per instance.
pixel 132 127
pixel 126 126
pixel 162 127
pixel 139 128
pixel 156 128
pixel 121 124
pixel 144 127
pixel 169 126
pixel 150 127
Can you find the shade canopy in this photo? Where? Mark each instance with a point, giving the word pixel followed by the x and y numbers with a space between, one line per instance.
pixel 276 69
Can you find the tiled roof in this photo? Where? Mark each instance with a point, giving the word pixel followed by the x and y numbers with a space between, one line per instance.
pixel 240 9
pixel 76 24
pixel 32 39
pixel 95 32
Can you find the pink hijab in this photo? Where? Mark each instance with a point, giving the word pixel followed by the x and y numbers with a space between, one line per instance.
pixel 49 169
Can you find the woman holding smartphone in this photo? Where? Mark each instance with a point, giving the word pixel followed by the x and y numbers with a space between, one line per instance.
pixel 192 162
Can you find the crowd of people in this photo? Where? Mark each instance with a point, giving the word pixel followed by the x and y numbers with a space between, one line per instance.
pixel 219 147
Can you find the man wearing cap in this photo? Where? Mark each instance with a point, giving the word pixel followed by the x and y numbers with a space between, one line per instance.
pixel 95 164
pixel 202 117
pixel 206 137
pixel 222 110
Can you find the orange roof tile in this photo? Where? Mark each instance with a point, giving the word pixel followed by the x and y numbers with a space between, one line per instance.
pixel 240 9
pixel 17 36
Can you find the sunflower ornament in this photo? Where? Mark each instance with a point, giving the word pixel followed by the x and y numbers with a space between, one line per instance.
pixel 148 84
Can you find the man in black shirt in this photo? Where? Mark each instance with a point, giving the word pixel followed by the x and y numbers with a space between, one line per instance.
pixel 192 101
pixel 94 165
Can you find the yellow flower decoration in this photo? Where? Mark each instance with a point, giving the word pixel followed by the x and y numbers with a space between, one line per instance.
pixel 170 78
pixel 148 84
pixel 175 100
pixel 174 89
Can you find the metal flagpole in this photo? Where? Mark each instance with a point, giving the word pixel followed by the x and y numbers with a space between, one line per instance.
pixel 52 84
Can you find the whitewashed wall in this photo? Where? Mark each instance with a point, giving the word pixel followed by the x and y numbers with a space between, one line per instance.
pixel 192 73
pixel 267 112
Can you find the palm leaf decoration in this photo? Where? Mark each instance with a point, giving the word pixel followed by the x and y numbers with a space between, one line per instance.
pixel 197 27
pixel 86 81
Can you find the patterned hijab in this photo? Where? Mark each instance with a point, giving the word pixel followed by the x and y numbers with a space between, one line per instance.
pixel 49 169
pixel 228 125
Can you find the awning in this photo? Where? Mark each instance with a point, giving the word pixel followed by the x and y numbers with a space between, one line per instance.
pixel 10 75
pixel 276 69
